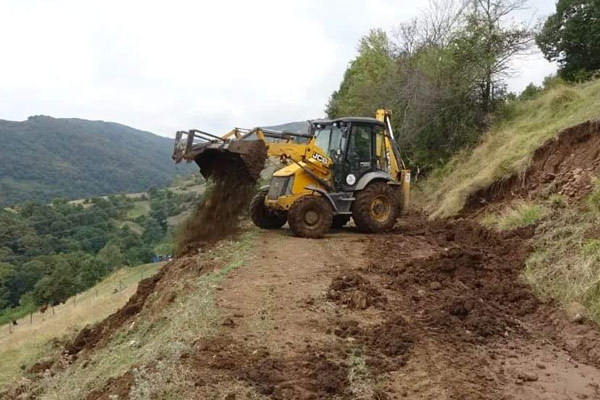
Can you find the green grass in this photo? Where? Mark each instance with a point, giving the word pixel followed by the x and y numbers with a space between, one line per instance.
pixel 139 208
pixel 565 263
pixel 159 340
pixel 508 147
pixel 362 384
pixel 517 215
pixel 30 340
pixel 11 314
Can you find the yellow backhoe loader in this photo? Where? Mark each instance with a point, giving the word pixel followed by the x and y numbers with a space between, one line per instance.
pixel 342 168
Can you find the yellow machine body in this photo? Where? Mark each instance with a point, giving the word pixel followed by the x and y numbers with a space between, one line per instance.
pixel 334 173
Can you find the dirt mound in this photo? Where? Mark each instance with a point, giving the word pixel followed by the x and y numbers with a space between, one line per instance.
pixel 231 187
pixel 563 165
pixel 468 290
pixel 387 345
pixel 355 291
pixel 312 375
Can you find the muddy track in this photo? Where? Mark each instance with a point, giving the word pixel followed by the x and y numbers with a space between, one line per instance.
pixel 431 311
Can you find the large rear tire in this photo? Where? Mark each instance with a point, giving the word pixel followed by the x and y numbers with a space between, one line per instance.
pixel 310 216
pixel 262 216
pixel 376 208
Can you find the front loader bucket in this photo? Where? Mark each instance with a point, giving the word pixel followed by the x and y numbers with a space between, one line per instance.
pixel 235 157
pixel 220 157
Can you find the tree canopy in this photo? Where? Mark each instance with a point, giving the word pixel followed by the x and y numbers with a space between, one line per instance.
pixel 49 252
pixel 571 36
pixel 442 75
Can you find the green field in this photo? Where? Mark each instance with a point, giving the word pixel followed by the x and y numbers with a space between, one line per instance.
pixel 31 340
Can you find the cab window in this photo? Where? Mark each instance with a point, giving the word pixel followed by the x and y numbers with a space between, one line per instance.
pixel 323 136
pixel 330 139
pixel 360 148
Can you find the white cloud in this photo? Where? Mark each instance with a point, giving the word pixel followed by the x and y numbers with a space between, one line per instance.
pixel 169 65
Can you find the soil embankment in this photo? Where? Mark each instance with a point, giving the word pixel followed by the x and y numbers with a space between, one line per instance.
pixel 565 165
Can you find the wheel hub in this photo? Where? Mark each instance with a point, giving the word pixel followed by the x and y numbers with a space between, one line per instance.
pixel 311 217
pixel 381 208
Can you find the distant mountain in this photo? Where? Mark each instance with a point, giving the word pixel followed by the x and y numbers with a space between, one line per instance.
pixel 294 127
pixel 44 158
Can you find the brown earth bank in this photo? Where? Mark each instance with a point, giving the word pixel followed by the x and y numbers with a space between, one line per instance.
pixel 565 165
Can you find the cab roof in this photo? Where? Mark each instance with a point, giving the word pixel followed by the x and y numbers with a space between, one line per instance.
pixel 349 119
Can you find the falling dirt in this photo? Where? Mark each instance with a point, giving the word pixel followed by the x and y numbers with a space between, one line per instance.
pixel 565 165
pixel 232 177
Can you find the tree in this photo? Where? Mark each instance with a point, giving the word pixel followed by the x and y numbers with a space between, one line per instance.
pixel 7 290
pixel 442 77
pixel 92 270
pixel 530 92
pixel 139 255
pixel 111 256
pixel 491 43
pixel 360 90
pixel 61 282
pixel 153 232
pixel 91 238
pixel 6 254
pixel 571 36
pixel 31 272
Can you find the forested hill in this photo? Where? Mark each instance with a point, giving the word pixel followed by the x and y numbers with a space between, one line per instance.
pixel 301 126
pixel 43 158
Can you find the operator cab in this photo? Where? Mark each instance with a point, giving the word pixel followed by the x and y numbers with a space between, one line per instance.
pixel 356 146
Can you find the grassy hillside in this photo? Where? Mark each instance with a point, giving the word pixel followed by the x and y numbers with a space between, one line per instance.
pixel 508 147
pixel 30 340
pixel 44 158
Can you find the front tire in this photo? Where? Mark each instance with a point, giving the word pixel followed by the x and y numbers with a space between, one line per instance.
pixel 310 216
pixel 262 216
pixel 376 208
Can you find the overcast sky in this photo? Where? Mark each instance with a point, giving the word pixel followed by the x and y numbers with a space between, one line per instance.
pixel 168 65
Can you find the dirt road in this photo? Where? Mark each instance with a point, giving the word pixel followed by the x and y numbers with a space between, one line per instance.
pixel 430 311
